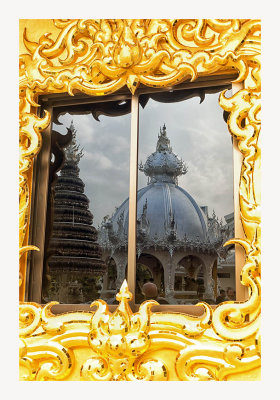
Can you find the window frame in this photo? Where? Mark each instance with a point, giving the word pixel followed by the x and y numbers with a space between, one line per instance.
pixel 40 184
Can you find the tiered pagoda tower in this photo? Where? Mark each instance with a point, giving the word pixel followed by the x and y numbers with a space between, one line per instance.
pixel 75 266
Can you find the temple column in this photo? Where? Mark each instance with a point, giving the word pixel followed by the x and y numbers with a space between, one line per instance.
pixel 169 264
pixel 120 275
pixel 121 262
pixel 169 280
pixel 199 276
pixel 183 287
pixel 209 283
pixel 106 290
pixel 105 281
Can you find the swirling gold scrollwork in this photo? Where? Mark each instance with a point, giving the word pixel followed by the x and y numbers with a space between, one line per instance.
pixel 97 57
pixel 119 338
pixel 45 343
pixel 51 361
pixel 41 361
pixel 97 369
pixel 123 346
pixel 29 318
pixel 115 343
pixel 215 361
pixel 231 320
pixel 29 146
pixel 148 370
pixel 190 326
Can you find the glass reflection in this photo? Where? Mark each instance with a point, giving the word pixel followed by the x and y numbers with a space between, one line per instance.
pixel 82 259
pixel 184 201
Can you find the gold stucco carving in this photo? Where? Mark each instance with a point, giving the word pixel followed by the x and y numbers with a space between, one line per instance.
pixel 98 57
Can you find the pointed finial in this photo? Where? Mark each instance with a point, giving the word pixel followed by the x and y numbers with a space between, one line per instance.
pixel 72 125
pixel 124 292
pixel 72 150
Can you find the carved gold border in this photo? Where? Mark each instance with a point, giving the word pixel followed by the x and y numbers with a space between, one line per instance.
pixel 98 57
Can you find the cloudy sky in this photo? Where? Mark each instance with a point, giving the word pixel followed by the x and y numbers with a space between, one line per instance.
pixel 198 135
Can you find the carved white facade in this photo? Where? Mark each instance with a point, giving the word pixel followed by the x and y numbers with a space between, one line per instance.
pixel 172 232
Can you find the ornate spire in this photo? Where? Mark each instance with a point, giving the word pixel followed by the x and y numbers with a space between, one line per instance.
pixel 143 224
pixel 73 153
pixel 163 165
pixel 163 143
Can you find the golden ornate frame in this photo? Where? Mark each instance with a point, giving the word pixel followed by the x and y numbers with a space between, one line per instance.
pixel 97 57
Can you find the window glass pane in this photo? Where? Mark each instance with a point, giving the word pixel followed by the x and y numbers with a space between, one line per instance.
pixel 185 199
pixel 86 239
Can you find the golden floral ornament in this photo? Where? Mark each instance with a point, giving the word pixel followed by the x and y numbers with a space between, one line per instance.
pixel 116 340
pixel 119 339
pixel 101 346
pixel 98 57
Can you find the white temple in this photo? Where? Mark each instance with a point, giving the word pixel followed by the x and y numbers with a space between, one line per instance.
pixel 177 241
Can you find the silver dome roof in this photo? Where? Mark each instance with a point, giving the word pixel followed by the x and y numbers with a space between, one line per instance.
pixel 163 206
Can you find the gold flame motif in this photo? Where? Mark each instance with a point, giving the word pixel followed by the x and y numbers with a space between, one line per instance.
pixel 97 57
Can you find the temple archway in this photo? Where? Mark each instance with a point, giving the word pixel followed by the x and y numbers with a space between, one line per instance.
pixel 189 278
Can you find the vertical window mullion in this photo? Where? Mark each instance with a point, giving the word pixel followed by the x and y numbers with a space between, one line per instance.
pixel 133 185
pixel 241 291
pixel 38 218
